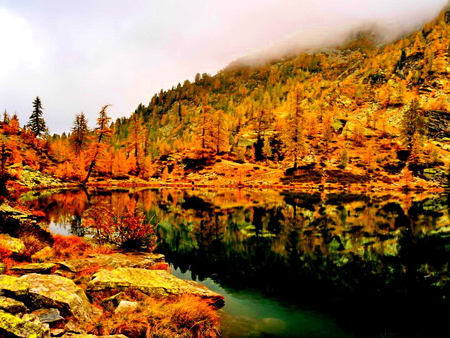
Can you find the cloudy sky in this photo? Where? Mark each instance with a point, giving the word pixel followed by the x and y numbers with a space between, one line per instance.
pixel 80 55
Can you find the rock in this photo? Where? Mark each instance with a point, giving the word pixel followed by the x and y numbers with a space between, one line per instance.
pixel 59 292
pixel 48 315
pixel 12 306
pixel 126 306
pixel 151 282
pixel 28 326
pixel 115 260
pixel 273 326
pixel 43 254
pixel 44 268
pixel 10 285
pixel 12 244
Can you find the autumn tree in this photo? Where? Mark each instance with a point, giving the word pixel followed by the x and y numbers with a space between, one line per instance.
pixel 37 123
pixel 262 120
pixel 138 140
pixel 294 141
pixel 205 126
pixel 219 132
pixel 80 132
pixel 102 131
pixel 413 122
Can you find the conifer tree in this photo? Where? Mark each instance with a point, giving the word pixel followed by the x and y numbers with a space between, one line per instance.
pixel 102 131
pixel 37 123
pixel 294 135
pixel 80 132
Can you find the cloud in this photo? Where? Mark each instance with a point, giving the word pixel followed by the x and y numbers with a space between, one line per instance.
pixel 79 55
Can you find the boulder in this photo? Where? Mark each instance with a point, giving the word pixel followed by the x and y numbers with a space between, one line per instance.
pixel 48 315
pixel 27 326
pixel 115 260
pixel 126 306
pixel 154 283
pixel 59 292
pixel 44 268
pixel 12 244
pixel 12 306
pixel 14 286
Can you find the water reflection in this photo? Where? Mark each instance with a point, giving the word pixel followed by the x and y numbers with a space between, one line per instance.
pixel 361 265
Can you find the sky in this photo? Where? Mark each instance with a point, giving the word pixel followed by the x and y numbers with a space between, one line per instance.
pixel 78 56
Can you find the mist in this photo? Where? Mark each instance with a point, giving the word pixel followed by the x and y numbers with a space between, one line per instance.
pixel 79 56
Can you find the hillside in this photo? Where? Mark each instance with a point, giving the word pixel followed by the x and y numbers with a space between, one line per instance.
pixel 357 114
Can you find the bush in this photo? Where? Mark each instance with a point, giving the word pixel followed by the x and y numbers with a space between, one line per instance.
pixel 129 229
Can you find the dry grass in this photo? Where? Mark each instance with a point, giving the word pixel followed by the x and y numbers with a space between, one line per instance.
pixel 73 247
pixel 184 317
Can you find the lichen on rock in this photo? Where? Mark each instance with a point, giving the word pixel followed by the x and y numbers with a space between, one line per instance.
pixel 155 283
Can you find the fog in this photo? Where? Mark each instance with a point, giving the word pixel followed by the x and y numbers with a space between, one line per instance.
pixel 79 56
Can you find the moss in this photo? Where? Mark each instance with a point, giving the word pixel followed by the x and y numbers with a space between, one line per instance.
pixel 20 327
pixel 14 285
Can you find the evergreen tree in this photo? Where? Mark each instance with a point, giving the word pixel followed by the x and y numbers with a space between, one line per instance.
pixel 80 132
pixel 37 123
pixel 102 131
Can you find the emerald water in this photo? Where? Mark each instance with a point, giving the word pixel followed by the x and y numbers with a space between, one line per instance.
pixel 294 264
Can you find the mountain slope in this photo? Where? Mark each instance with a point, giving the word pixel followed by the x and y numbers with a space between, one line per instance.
pixel 345 108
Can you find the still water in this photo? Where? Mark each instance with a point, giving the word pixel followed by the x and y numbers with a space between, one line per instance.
pixel 293 264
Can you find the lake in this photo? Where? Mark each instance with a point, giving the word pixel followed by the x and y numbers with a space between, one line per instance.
pixel 293 264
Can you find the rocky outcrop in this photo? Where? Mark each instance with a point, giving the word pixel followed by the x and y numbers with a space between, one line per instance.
pixel 26 326
pixel 115 260
pixel 155 283
pixel 48 296
pixel 12 244
pixel 438 124
pixel 56 291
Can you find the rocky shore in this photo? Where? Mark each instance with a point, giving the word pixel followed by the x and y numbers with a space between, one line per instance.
pixel 43 296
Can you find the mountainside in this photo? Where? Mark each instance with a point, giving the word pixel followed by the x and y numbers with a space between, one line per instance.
pixel 359 113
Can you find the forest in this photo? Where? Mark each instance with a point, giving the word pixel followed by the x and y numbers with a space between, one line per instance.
pixel 360 113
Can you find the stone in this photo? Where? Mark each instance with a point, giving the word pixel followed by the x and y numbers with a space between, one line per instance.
pixel 59 292
pixel 272 326
pixel 12 306
pixel 12 244
pixel 27 327
pixel 44 268
pixel 115 260
pixel 125 306
pixel 155 283
pixel 11 285
pixel 48 315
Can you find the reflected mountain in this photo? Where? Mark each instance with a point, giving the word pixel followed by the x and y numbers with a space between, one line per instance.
pixel 376 263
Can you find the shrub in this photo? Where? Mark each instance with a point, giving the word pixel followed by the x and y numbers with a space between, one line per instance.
pixel 129 229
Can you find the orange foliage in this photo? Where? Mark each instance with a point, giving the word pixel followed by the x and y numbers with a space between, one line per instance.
pixel 185 316
pixel 69 247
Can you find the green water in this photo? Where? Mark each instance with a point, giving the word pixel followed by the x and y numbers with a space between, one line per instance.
pixel 295 264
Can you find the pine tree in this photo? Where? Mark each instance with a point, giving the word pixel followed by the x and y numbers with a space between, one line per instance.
pixel 37 123
pixel 80 132
pixel 102 131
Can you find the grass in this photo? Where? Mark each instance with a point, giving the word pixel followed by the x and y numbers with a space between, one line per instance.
pixel 184 317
